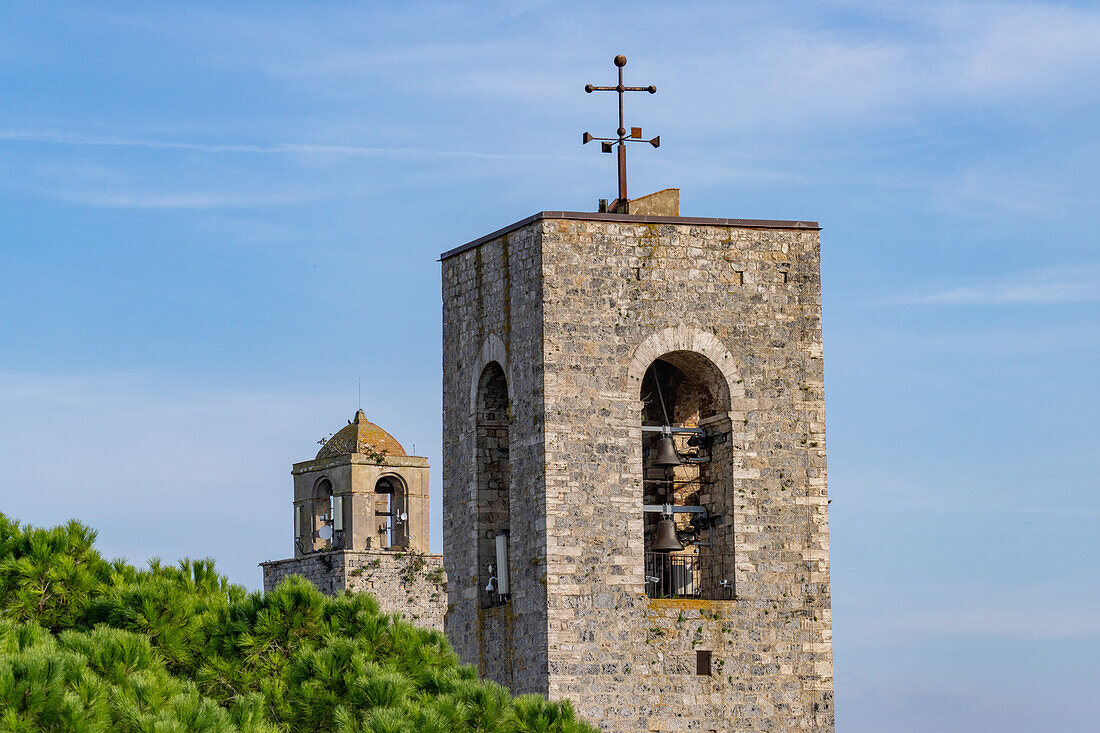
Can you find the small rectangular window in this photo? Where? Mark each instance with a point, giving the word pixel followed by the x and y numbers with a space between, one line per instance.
pixel 702 662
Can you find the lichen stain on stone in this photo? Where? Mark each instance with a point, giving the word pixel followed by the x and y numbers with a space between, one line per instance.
pixel 688 604
pixel 505 265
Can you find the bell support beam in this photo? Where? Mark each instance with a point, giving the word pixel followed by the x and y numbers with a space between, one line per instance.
pixel 670 509
pixel 671 429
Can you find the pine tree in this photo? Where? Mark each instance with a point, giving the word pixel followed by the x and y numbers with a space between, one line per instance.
pixel 88 645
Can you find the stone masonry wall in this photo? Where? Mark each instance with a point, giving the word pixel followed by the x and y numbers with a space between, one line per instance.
pixel 409 584
pixel 492 313
pixel 616 297
pixel 581 315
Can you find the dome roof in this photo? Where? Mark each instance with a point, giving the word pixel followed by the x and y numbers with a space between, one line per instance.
pixel 363 437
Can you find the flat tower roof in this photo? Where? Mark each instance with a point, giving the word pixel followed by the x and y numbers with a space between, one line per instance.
pixel 633 219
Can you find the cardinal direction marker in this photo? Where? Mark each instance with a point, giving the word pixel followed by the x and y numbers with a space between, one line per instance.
pixel 635 133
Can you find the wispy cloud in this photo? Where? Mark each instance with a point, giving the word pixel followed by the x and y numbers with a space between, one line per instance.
pixel 193 200
pixel 888 68
pixel 215 175
pixel 1056 607
pixel 1018 623
pixel 758 67
pixel 756 64
pixel 1047 286
pixel 77 139
pixel 902 699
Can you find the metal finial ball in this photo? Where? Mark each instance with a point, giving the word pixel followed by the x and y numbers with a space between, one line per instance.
pixel 620 60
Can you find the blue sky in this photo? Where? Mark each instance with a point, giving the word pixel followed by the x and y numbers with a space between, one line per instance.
pixel 217 218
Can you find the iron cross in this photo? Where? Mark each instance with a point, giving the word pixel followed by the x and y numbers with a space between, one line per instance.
pixel 607 143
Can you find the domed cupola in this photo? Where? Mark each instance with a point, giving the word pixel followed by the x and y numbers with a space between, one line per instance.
pixel 362 437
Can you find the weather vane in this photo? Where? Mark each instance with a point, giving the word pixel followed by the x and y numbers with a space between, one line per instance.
pixel 607 143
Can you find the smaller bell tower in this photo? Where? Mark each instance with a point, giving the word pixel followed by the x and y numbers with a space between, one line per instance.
pixel 361 492
pixel 360 513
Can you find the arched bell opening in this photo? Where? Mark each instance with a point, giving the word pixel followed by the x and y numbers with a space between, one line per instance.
pixel 493 465
pixel 391 510
pixel 687 478
pixel 320 516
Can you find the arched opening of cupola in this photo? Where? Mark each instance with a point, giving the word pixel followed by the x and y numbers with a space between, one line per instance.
pixel 392 512
pixel 687 478
pixel 493 482
pixel 322 515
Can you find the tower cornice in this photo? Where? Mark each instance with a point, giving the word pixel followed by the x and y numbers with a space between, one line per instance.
pixel 635 219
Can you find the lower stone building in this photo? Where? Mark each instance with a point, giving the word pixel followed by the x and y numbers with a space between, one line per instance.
pixel 409 583
pixel 360 514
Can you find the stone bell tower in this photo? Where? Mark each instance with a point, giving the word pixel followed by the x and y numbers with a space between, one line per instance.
pixel 360 513
pixel 635 503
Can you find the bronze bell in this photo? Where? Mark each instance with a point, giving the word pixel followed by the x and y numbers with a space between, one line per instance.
pixel 666 452
pixel 666 540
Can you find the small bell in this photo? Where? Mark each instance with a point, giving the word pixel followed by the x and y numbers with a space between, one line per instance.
pixel 666 540
pixel 666 452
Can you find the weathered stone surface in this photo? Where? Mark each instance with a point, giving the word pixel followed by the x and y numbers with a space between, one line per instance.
pixel 410 584
pixel 660 203
pixel 574 310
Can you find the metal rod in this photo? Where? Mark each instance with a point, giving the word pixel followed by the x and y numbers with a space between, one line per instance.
pixel 622 148
pixel 656 375
pixel 622 172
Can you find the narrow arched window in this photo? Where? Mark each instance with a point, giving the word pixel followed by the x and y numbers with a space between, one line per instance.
pixel 687 478
pixel 493 482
